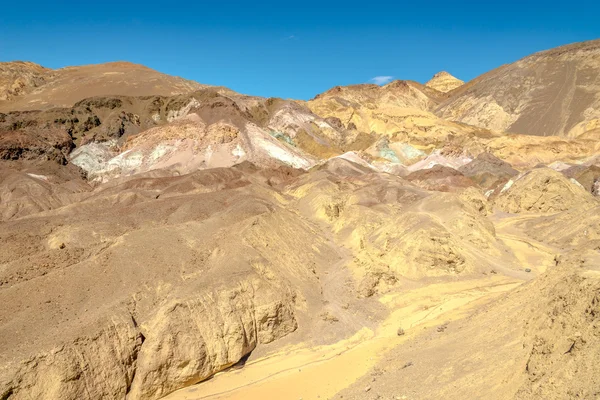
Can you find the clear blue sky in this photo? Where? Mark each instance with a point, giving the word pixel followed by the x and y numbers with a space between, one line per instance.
pixel 293 49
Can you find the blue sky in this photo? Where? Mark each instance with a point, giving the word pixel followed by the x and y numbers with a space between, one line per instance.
pixel 293 49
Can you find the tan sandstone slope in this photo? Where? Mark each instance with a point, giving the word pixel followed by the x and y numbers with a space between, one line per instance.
pixel 166 280
pixel 539 341
pixel 554 92
pixel 28 86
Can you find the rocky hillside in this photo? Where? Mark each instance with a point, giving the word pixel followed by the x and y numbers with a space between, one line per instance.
pixel 155 232
pixel 551 93
pixel 528 344
pixel 17 78
pixel 166 280
pixel 28 86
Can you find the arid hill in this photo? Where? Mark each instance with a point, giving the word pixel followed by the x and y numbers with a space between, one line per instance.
pixel 245 251
pixel 163 239
pixel 28 86
pixel 551 93
pixel 543 190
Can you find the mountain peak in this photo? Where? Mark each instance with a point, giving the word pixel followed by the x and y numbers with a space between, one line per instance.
pixel 444 82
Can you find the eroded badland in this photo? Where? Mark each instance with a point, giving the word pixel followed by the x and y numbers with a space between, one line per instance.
pixel 161 238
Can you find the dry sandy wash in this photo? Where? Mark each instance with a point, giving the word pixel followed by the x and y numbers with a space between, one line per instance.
pixel 164 239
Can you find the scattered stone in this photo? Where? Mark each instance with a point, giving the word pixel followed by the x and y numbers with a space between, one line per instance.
pixel 328 317
pixel 408 364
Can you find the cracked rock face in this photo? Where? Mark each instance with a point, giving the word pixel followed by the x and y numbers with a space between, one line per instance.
pixel 191 340
pixel 186 342
pixel 101 365
pixel 144 311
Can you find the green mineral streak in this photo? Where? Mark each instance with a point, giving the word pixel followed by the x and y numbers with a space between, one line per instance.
pixel 389 155
pixel 386 152
pixel 283 137
pixel 410 152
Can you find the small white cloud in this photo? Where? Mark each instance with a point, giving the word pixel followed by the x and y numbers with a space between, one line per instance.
pixel 290 37
pixel 381 80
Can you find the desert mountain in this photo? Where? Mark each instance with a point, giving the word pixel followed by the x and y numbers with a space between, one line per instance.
pixel 395 123
pixel 444 82
pixel 163 239
pixel 105 123
pixel 551 93
pixel 28 86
